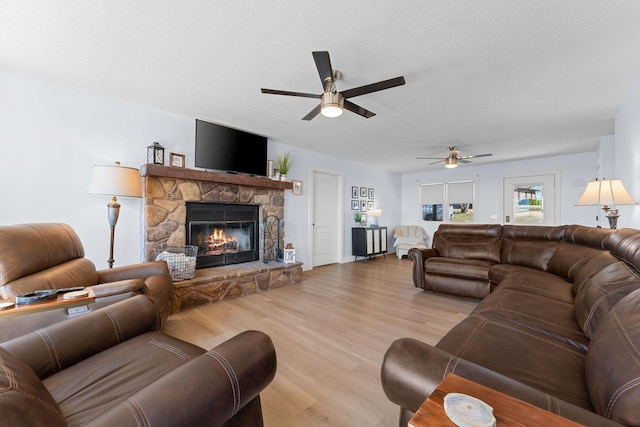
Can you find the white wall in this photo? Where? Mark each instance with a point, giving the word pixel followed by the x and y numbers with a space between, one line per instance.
pixel 298 216
pixel 573 172
pixel 627 154
pixel 51 136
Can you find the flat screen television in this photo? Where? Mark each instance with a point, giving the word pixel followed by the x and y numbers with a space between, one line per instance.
pixel 230 150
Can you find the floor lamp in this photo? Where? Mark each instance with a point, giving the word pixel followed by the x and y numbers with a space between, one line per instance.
pixel 606 193
pixel 114 181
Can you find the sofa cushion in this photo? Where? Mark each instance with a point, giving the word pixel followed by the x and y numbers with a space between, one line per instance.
pixel 93 386
pixel 613 362
pixel 538 313
pixel 521 353
pixel 24 400
pixel 470 247
pixel 569 259
pixel 28 248
pixel 529 253
pixel 77 272
pixel 533 281
pixel 458 267
pixel 598 294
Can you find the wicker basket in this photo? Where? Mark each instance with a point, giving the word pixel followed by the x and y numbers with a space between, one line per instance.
pixel 181 261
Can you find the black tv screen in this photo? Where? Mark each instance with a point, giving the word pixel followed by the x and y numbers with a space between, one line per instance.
pixel 230 150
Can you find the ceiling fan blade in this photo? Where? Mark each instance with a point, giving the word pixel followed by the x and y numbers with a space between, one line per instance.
pixel 312 113
pixel 288 93
pixel 439 161
pixel 475 156
pixel 323 64
pixel 463 160
pixel 431 158
pixel 373 87
pixel 358 109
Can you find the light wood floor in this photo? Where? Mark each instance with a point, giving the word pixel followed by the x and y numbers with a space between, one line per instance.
pixel 330 332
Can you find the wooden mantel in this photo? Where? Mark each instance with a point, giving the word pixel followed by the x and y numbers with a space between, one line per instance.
pixel 149 169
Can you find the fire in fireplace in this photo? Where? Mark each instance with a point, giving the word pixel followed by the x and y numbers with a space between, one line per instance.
pixel 224 233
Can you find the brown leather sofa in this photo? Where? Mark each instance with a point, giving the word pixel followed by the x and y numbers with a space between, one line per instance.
pixel 113 367
pixel 558 325
pixel 51 256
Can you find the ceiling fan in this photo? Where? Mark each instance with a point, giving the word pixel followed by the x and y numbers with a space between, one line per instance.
pixel 454 157
pixel 331 101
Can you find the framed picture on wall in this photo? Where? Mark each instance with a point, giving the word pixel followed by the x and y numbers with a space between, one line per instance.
pixel 354 205
pixel 370 205
pixel 354 192
pixel 363 191
pixel 371 193
pixel 363 205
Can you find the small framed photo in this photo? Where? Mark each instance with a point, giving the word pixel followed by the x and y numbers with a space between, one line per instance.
pixel 363 191
pixel 354 205
pixel 370 205
pixel 363 218
pixel 176 160
pixel 297 186
pixel 354 192
pixel 363 205
pixel 371 193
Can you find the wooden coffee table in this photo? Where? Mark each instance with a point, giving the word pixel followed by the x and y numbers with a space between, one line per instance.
pixel 508 410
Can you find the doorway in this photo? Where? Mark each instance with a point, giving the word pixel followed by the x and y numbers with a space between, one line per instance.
pixel 326 218
pixel 530 200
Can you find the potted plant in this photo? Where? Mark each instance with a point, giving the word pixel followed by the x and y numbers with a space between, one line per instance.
pixel 284 163
pixel 357 217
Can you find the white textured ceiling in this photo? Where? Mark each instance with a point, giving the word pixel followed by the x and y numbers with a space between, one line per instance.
pixel 516 78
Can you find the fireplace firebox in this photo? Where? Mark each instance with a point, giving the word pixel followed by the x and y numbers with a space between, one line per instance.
pixel 224 233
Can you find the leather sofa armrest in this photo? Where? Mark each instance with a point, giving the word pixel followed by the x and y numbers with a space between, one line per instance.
pixel 412 370
pixel 418 256
pixel 208 390
pixel 134 271
pixel 135 286
pixel 158 284
pixel 81 337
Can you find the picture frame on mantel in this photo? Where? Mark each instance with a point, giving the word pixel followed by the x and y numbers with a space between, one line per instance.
pixel 177 160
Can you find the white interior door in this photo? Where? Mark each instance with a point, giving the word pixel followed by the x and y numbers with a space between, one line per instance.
pixel 530 200
pixel 325 218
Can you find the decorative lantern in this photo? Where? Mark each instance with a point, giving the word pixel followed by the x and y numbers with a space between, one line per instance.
pixel 289 254
pixel 155 154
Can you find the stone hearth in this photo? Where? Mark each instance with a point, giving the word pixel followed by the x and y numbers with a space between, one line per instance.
pixel 166 190
pixel 230 281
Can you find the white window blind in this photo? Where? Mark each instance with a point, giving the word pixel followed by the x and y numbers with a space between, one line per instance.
pixel 432 194
pixel 460 192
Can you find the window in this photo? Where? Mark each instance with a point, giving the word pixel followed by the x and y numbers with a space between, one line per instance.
pixel 447 202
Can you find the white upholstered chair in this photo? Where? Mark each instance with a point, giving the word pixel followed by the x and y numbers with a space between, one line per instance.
pixel 407 237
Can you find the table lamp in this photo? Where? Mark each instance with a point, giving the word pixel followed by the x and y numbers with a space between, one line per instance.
pixel 114 181
pixel 606 192
pixel 375 214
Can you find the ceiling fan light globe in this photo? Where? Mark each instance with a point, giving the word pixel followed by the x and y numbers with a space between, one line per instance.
pixel 331 111
pixel 450 163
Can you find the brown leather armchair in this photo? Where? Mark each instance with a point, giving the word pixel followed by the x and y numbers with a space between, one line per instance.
pixel 114 367
pixel 51 256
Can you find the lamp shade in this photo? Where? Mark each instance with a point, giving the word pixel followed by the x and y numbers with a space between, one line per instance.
pixel 115 180
pixel 605 192
pixel 374 213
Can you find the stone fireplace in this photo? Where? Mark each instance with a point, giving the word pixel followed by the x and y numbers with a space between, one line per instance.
pixel 224 233
pixel 169 193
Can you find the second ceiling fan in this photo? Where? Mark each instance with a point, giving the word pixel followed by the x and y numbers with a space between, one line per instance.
pixel 454 157
pixel 331 101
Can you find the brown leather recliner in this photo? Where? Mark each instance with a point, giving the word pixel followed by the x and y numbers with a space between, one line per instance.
pixel 51 256
pixel 113 367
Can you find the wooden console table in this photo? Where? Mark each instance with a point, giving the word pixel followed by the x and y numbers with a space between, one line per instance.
pixel 57 303
pixel 508 410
